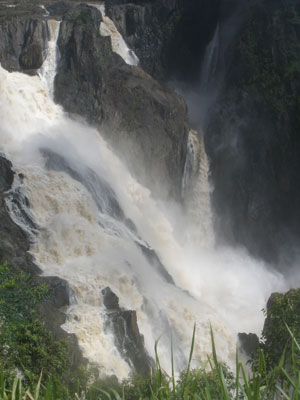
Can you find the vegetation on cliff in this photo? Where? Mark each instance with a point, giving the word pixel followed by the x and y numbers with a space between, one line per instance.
pixel 25 344
pixel 271 50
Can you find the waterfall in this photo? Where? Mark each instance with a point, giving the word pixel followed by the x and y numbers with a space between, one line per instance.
pixel 48 69
pixel 196 192
pixel 93 224
pixel 209 65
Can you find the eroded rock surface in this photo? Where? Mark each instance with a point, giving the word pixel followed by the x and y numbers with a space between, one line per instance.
pixel 128 340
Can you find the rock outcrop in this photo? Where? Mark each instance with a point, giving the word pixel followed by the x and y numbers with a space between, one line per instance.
pixel 14 243
pixel 24 36
pixel 128 340
pixel 168 36
pixel 249 344
pixel 144 122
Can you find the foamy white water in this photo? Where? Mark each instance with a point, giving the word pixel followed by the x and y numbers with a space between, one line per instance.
pixel 196 194
pixel 82 239
pixel 48 69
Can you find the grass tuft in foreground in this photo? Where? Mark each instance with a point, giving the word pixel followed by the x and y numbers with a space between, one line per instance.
pixel 213 383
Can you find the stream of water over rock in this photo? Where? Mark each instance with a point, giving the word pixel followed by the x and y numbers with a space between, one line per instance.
pixel 92 220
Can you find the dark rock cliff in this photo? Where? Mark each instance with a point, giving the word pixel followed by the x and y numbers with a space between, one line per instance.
pixel 243 90
pixel 253 135
pixel 168 36
pixel 145 122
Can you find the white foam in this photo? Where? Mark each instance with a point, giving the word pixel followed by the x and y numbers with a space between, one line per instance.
pixel 48 69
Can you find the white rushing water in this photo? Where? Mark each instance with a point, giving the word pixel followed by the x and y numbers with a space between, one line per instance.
pixel 47 71
pixel 196 194
pixel 73 182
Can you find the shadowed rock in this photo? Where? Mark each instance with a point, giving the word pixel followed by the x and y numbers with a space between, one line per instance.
pixel 110 299
pixel 128 340
pixel 249 343
pixel 145 122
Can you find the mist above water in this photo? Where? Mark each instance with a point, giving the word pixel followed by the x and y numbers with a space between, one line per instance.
pixel 80 206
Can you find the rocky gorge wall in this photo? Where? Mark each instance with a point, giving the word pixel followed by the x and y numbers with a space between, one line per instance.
pixel 252 137
pixel 251 112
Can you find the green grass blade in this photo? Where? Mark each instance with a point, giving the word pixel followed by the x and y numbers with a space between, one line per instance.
pixel 293 337
pixel 14 388
pixel 37 388
pixel 105 393
pixel 219 369
pixel 116 394
pixel 173 373
pixel 286 396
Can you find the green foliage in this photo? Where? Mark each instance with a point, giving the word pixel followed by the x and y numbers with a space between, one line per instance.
pixel 270 50
pixel 283 310
pixel 25 344
pixel 216 383
pixel 201 380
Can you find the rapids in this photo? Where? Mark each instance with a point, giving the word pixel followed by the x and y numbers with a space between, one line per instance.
pixel 81 199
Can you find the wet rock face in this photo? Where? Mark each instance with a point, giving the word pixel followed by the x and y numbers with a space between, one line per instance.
pixel 14 244
pixel 249 343
pixel 7 175
pixel 128 340
pixel 253 142
pixel 145 122
pixel 252 126
pixel 110 299
pixel 168 36
pixel 23 40
pixel 32 54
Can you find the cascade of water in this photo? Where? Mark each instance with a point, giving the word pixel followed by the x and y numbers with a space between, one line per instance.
pixel 210 60
pixel 89 214
pixel 196 193
pixel 108 28
pixel 48 69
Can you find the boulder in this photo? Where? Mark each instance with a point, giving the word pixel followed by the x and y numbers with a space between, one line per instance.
pixel 110 299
